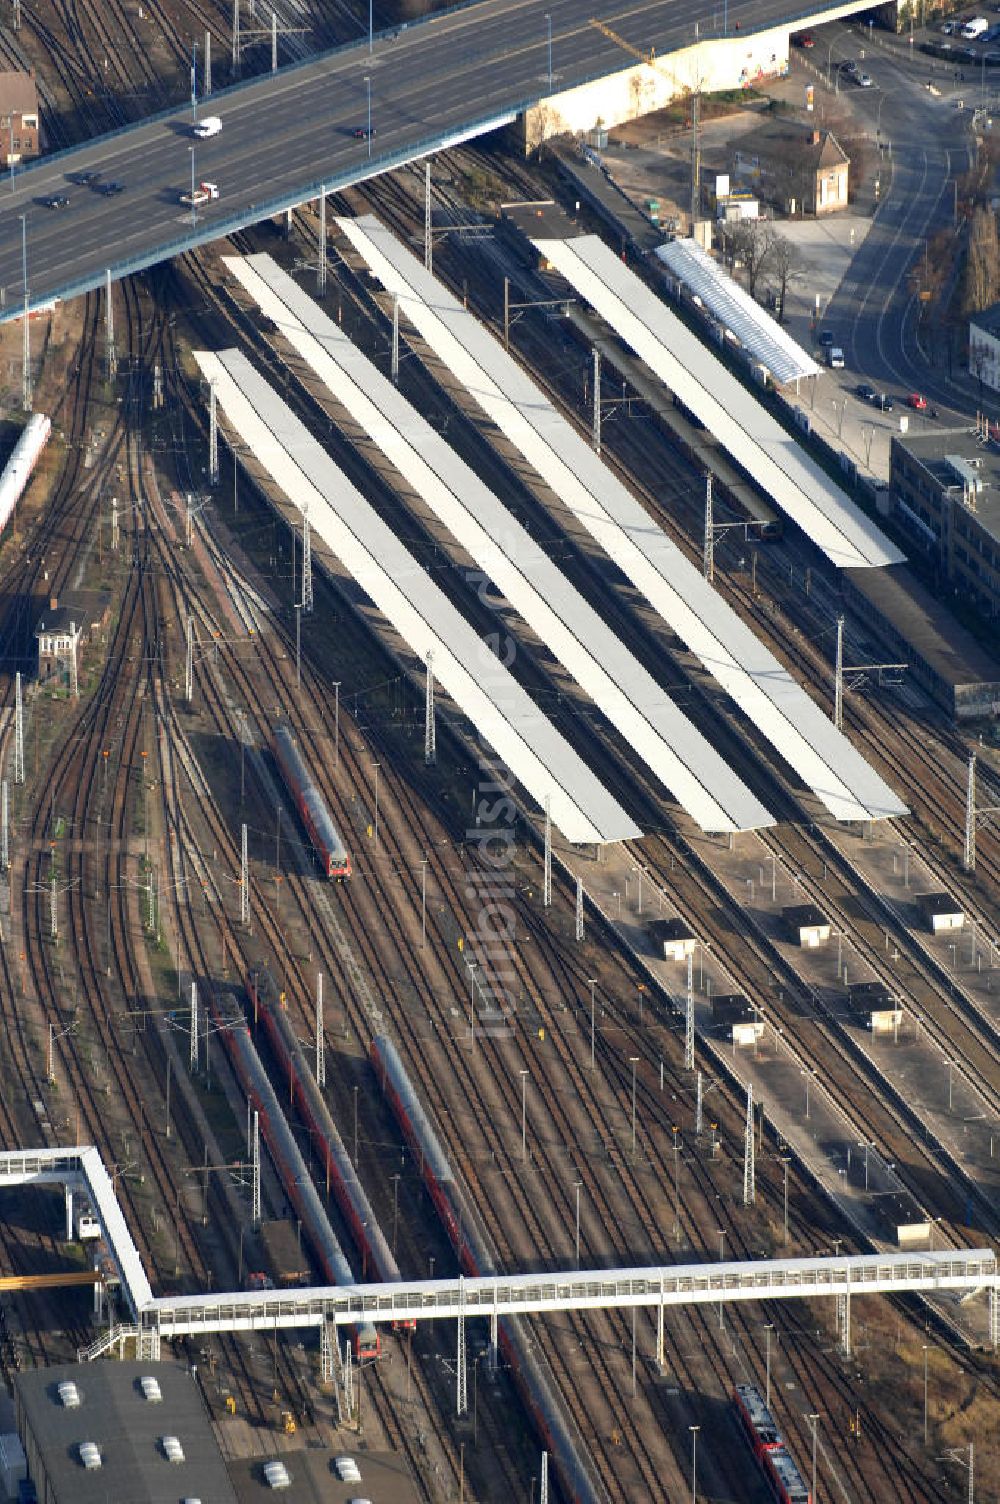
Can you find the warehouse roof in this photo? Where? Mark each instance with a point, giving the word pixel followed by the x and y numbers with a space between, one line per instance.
pixel 127 1430
pixel 761 336
pixel 768 453
pixel 767 693
pixel 536 753
pixel 656 730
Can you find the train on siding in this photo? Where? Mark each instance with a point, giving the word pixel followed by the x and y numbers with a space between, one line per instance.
pixel 270 1012
pixel 17 471
pixel 291 1168
pixel 786 1481
pixel 330 851
pixel 471 1245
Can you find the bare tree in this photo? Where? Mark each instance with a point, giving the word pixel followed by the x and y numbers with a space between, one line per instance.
pixel 982 263
pixel 786 265
pixel 751 244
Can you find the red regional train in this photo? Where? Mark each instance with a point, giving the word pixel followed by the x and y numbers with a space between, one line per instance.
pixel 269 1010
pixel 786 1481
pixel 326 842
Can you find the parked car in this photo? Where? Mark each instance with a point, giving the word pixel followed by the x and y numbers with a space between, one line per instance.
pixel 849 66
pixel 949 28
pixel 805 39
pixel 864 80
pixel 916 401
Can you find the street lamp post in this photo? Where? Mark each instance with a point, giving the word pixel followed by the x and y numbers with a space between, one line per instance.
pixel 524 1114
pixel 813 1417
pixel 633 1061
pixel 925 1345
pixel 375 768
pixel 577 1184
pixel 694 1463
pixel 768 1329
pixel 368 86
pixel 593 983
pixel 548 23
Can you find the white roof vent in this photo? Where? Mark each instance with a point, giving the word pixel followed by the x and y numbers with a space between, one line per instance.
pixel 172 1449
pixel 68 1394
pixel 90 1455
pixel 276 1475
pixel 151 1390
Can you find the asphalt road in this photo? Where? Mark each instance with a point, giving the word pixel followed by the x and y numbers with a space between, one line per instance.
pixel 286 134
pixel 875 312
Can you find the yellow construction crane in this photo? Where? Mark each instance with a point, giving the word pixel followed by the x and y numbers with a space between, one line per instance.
pixel 51 1281
pixel 649 58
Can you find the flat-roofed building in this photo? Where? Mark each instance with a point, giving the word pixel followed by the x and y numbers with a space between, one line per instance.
pixel 736 1018
pixel 874 1007
pixel 807 925
pixel 19 134
pixel 940 911
pixel 676 937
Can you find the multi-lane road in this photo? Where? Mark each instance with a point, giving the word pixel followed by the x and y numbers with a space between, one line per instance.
pixel 286 134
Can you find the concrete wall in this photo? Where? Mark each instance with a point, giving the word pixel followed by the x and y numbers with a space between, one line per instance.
pixel 724 63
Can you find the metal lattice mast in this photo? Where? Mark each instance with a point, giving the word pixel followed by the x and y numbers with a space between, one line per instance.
pixel 244 877
pixel 395 339
pixel 18 731
pixel 320 1033
pixel 27 396
pixel 53 906
pixel 4 827
pixel 428 225
pixel 255 1171
pixel 972 1474
pixel 109 328
pixel 547 879
pixel 699 1109
pixel 430 726
pixel 543 1492
pixel 194 1026
pixel 708 562
pixel 189 660
pixel 206 83
pixel 689 1018
pixel 274 42
pixel 995 1317
pixel 307 565
pixel 74 678
pixel 114 524
pixel 969 859
pixel 579 908
pixel 348 1378
pixel 749 1175
pixel 213 435
pixel 236 36
pixel 321 261
pixel 461 1386
pixel 597 401
pixel 838 679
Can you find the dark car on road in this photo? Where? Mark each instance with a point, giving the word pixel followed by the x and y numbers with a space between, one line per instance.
pixel 865 391
pixel 826 338
pixel 56 201
pixel 110 190
pixel 365 132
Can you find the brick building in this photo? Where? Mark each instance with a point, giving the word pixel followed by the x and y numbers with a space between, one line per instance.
pixel 19 132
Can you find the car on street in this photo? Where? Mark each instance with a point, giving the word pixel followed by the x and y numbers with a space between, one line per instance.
pixel 365 132
pixel 885 402
pixel 865 391
pixel 949 28
pixel 826 338
pixel 864 80
pixel 111 190
pixel 56 201
pixel 849 66
pixel 86 179
pixel 807 40
pixel 916 401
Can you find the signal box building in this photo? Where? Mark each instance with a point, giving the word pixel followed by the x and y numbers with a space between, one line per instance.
pixel 736 1019
pixel 677 939
pixel 19 136
pixel 96 1431
pixel 807 925
pixel 940 912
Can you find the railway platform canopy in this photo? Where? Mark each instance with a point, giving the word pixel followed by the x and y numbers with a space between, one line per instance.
pixel 641 710
pixel 761 686
pixel 761 336
pixel 769 454
pixel 507 718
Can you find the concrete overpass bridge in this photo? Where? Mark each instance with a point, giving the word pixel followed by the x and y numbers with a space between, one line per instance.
pixel 288 136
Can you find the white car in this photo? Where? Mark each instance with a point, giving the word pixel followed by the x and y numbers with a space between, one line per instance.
pixel 210 126
pixel 864 80
pixel 347 1469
